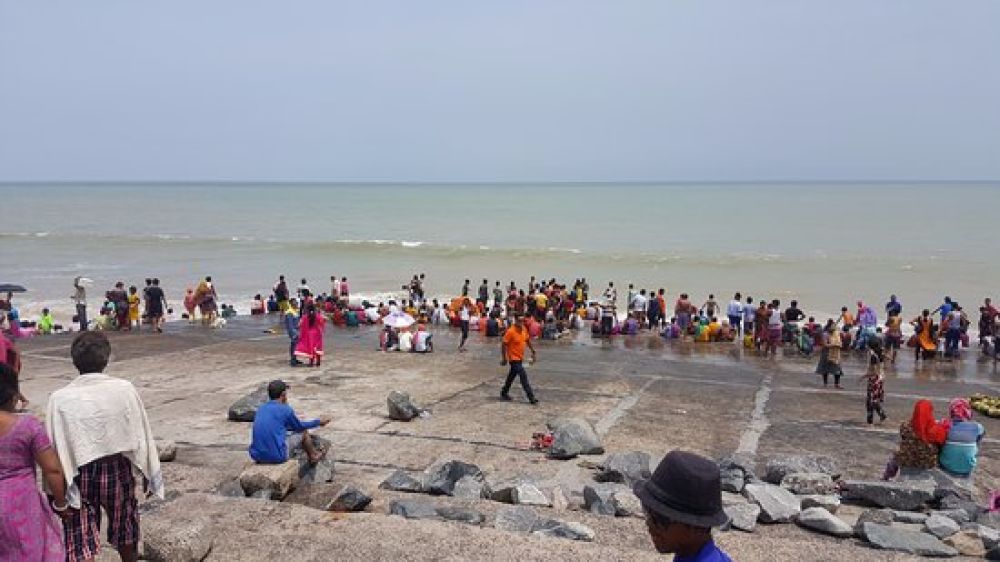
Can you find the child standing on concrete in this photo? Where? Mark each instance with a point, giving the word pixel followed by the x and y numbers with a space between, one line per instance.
pixel 876 389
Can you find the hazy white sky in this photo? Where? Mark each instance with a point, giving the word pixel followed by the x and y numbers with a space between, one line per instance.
pixel 500 90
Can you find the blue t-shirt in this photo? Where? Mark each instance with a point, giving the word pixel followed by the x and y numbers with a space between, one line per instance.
pixel 270 424
pixel 708 553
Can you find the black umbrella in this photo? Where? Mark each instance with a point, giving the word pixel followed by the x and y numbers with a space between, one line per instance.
pixel 11 288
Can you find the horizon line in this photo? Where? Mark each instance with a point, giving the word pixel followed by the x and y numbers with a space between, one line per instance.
pixel 8 183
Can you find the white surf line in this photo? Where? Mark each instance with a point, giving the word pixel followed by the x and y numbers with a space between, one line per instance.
pixel 758 420
pixel 621 408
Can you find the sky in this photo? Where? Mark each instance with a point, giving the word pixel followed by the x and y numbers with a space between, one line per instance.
pixel 513 90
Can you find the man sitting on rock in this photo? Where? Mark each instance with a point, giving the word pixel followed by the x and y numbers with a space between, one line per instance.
pixel 683 501
pixel 270 442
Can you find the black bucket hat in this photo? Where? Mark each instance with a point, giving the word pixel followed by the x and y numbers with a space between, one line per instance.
pixel 684 488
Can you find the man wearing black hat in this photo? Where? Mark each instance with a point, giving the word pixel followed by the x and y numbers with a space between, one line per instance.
pixel 270 442
pixel 683 501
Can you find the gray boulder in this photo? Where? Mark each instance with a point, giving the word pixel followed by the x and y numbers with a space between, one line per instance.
pixel 349 498
pixel 777 505
pixel 913 517
pixel 946 485
pixel 461 515
pixel 504 491
pixel 878 516
pixel 903 540
pixel 188 540
pixel 245 409
pixel 401 407
pixel 167 451
pixel 572 437
pixel 563 529
pixel 779 466
pixel 517 519
pixel 599 498
pixel 401 481
pixel 470 488
pixel 735 471
pixel 320 473
pixel 971 508
pixel 440 477
pixel 528 494
pixel 742 516
pixel 903 496
pixel 732 480
pixel 808 483
pixel 819 519
pixel 941 526
pixel 411 509
pixel 957 515
pixel 625 468
pixel 627 504
pixel 830 503
pixel 274 480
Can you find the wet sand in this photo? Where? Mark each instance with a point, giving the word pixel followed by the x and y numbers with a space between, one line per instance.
pixel 641 393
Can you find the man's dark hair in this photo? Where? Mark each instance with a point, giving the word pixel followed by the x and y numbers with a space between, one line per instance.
pixel 90 352
pixel 8 384
pixel 156 282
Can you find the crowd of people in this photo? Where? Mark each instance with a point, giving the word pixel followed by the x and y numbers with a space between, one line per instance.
pixel 82 484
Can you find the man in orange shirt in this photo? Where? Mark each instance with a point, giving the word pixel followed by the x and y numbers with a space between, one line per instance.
pixel 512 350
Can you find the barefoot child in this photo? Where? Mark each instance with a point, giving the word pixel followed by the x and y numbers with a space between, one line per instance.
pixel 876 391
pixel 133 308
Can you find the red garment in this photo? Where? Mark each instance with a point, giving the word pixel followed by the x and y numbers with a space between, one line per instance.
pixel 925 427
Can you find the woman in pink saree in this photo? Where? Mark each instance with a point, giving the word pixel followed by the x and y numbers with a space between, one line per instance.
pixel 311 328
pixel 29 530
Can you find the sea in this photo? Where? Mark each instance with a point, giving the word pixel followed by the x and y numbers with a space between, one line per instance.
pixel 825 245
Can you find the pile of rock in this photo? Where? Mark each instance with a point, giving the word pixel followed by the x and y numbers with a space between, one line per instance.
pixel 443 478
pixel 456 478
pixel 926 514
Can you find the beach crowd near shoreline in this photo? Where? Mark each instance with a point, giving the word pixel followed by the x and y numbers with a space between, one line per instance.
pixel 542 310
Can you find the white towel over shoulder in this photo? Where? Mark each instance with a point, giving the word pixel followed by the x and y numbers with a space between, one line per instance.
pixel 96 416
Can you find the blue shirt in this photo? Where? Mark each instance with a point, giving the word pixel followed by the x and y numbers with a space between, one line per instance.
pixel 958 456
pixel 292 326
pixel 270 424
pixel 708 553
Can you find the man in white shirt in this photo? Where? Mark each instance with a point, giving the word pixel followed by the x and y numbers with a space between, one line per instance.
pixel 610 294
pixel 439 316
pixel 735 312
pixel 422 341
pixel 405 340
pixel 334 287
pixel 638 305
pixel 102 435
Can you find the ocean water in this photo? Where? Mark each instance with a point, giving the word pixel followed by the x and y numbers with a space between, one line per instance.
pixel 825 245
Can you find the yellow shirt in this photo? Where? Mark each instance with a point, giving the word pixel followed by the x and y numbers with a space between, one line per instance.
pixel 541 301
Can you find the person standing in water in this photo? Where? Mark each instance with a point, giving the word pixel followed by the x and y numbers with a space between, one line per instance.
pixel 79 298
